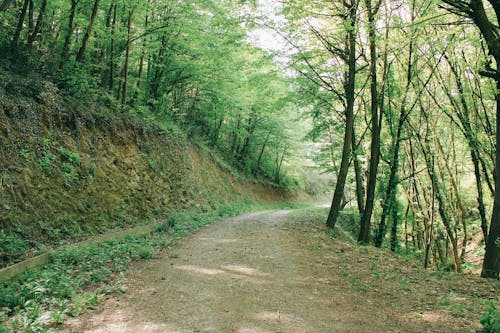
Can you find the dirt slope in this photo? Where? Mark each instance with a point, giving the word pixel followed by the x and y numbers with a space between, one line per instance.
pixel 271 272
pixel 71 168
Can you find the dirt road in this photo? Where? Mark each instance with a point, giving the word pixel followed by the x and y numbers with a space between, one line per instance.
pixel 265 272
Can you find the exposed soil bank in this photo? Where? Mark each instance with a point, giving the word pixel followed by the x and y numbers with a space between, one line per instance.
pixel 70 168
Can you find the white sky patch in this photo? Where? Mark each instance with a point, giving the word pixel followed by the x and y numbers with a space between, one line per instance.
pixel 268 13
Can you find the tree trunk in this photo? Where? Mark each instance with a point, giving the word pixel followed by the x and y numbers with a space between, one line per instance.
pixel 81 52
pixel 491 264
pixel 364 232
pixel 20 22
pixel 5 4
pixel 358 173
pixel 349 88
pixel 127 58
pixel 38 26
pixel 259 160
pixel 69 30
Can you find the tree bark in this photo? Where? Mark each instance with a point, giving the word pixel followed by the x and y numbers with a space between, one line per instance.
pixel 39 22
pixel 491 264
pixel 69 30
pixel 358 174
pixel 20 22
pixel 476 11
pixel 81 52
pixel 5 4
pixel 127 58
pixel 364 232
pixel 349 88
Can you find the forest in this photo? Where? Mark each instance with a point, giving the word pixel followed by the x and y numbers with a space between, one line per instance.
pixel 399 98
pixel 391 105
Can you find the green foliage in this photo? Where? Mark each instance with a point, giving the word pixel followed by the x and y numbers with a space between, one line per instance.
pixel 46 162
pixel 69 174
pixel 72 157
pixel 187 64
pixel 12 247
pixel 491 320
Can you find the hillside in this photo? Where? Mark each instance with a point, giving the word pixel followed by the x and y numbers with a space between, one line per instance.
pixel 71 168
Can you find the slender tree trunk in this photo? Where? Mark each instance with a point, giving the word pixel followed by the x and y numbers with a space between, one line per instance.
pixel 127 58
pixel 31 17
pixel 259 160
pixel 81 52
pixel 431 171
pixel 456 193
pixel 39 23
pixel 491 264
pixel 430 234
pixel 69 30
pixel 364 232
pixel 111 64
pixel 20 22
pixel 388 204
pixel 349 114
pixel 279 164
pixel 358 173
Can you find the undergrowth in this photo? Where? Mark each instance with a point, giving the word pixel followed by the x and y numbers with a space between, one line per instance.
pixel 39 300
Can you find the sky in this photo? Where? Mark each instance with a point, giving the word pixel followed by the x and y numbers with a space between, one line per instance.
pixel 267 38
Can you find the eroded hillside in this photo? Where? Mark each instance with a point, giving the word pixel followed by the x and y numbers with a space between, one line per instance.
pixel 72 167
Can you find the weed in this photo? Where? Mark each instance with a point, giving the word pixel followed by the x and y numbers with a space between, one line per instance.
pixel 5 178
pixel 25 153
pixel 143 252
pixel 46 162
pixel 374 270
pixel 48 140
pixel 12 247
pixel 58 317
pixel 69 175
pixel 491 320
pixel 403 284
pixel 92 169
pixel 72 157
pixel 358 286
pixel 154 164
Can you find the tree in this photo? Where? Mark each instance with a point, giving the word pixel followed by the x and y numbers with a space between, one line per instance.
pixel 376 123
pixel 350 57
pixel 476 11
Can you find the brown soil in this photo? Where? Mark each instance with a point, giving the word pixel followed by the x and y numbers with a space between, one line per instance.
pixel 270 272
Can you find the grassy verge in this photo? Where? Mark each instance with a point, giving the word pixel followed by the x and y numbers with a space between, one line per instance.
pixel 39 300
pixel 485 309
pixel 347 225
